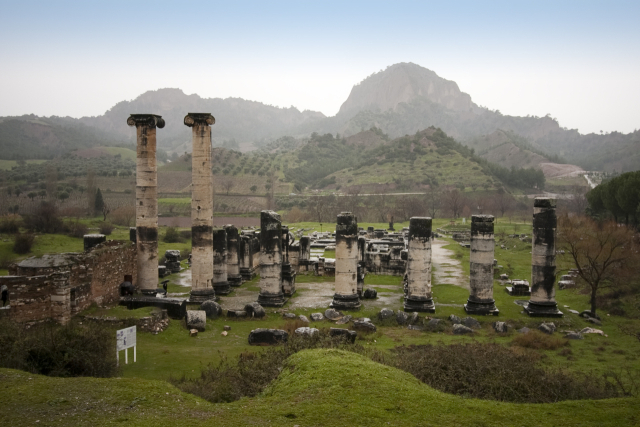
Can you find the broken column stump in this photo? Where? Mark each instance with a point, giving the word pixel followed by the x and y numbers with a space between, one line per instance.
pixel 419 296
pixel 220 281
pixel 543 260
pixel 346 284
pixel 481 267
pixel 233 264
pixel 271 294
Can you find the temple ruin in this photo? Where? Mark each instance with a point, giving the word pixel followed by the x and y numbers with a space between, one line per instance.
pixel 419 297
pixel 346 264
pixel 481 267
pixel 271 294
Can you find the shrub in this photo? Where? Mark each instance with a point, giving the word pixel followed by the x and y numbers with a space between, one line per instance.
pixel 62 351
pixel 9 226
pixel 45 219
pixel 539 341
pixel 22 243
pixel 77 229
pixel 106 228
pixel 172 236
pixel 185 234
pixel 124 215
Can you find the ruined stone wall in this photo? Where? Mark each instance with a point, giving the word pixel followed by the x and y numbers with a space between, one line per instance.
pixel 386 263
pixel 58 292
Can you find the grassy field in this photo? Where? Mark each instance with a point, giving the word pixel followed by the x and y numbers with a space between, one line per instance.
pixel 315 388
pixel 8 164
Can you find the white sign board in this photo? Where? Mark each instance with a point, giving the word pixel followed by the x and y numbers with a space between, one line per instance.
pixel 126 338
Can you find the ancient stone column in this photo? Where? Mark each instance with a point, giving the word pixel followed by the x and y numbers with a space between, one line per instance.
pixel 419 296
pixel 346 296
pixel 362 243
pixel 481 267
pixel 233 262
pixel 245 259
pixel 220 280
pixel 288 273
pixel 146 200
pixel 201 207
pixel 543 260
pixel 271 294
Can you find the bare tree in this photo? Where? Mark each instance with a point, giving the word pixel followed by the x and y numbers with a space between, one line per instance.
pixel 433 201
pixel 502 202
pixel 227 184
pixel 604 254
pixel 454 201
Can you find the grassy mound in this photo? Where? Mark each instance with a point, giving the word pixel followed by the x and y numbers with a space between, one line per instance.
pixel 316 387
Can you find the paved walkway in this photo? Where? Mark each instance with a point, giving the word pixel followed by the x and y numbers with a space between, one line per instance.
pixel 447 270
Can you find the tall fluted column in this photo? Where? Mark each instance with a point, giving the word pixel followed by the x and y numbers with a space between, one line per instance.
pixel 362 243
pixel 201 207
pixel 346 296
pixel 146 200
pixel 419 296
pixel 233 262
pixel 220 281
pixel 481 267
pixel 271 294
pixel 543 260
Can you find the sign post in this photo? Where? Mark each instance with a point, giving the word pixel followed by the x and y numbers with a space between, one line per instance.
pixel 125 338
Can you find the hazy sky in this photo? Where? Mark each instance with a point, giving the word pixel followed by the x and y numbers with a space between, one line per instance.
pixel 576 60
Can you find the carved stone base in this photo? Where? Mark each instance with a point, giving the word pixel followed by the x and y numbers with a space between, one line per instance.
pixel 235 281
pixel 419 305
pixel 537 309
pixel 202 295
pixel 345 302
pixel 247 273
pixel 271 300
pixel 222 288
pixel 484 308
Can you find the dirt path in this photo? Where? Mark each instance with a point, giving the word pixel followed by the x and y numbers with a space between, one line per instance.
pixel 447 269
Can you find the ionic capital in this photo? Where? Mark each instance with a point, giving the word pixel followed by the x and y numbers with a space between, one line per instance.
pixel 192 119
pixel 151 120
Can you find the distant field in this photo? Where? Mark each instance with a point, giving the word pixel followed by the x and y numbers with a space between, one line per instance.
pixel 126 153
pixel 8 164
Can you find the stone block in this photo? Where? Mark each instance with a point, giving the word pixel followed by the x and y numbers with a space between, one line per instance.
pixel 370 294
pixel 470 322
pixel 500 327
pixel 574 336
pixel 345 333
pixel 435 324
pixel 332 314
pixel 359 325
pixel 414 318
pixel 303 318
pixel 212 309
pixel 255 310
pixel 344 320
pixel 237 314
pixel 196 319
pixel 226 327
pixel 289 315
pixel 316 317
pixel 385 313
pixel 461 329
pixel 402 318
pixel 176 308
pixel 193 332
pixel 262 336
pixel 455 319
pixel 306 331
pixel 547 328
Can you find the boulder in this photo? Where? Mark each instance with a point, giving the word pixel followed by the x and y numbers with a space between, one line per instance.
pixel 303 318
pixel 434 324
pixel 359 325
pixel 255 310
pixel 500 327
pixel 212 309
pixel 414 318
pixel 547 328
pixel 470 322
pixel 593 331
pixel 455 319
pixel 461 329
pixel 236 313
pixel 385 313
pixel 262 336
pixel 402 317
pixel 332 314
pixel 344 320
pixel 289 315
pixel 370 294
pixel 347 334
pixel 196 319
pixel 593 320
pixel 316 317
pixel 587 314
pixel 574 336
pixel 306 331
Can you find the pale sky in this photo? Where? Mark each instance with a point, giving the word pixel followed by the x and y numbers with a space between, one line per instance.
pixel 576 60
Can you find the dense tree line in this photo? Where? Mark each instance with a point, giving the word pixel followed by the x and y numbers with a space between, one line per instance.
pixel 618 197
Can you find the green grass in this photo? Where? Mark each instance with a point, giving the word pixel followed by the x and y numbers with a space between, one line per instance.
pixel 8 164
pixel 175 200
pixel 126 153
pixel 315 388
